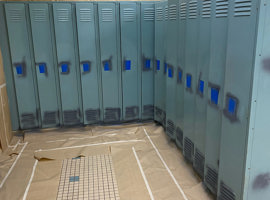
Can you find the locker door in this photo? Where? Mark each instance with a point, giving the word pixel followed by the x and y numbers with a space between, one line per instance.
pixel 45 65
pixel 130 68
pixel 66 62
pixel 88 62
pixel 147 46
pixel 22 65
pixel 109 61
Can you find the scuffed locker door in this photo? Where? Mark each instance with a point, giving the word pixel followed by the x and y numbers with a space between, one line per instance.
pixel 192 28
pixel 147 57
pixel 88 62
pixel 110 65
pixel 66 63
pixel 46 68
pixel 22 65
pixel 130 66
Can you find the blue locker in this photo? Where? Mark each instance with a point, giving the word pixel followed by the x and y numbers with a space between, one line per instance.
pixel 46 69
pixel 110 64
pixel 87 43
pixel 67 65
pixel 22 65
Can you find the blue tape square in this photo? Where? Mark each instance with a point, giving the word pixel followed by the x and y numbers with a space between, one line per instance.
pixel 188 81
pixel 86 67
pixel 158 64
pixel 214 95
pixel 64 68
pixel 180 75
pixel 42 68
pixel 170 73
pixel 74 178
pixel 165 68
pixel 127 65
pixel 232 105
pixel 201 87
pixel 19 69
pixel 147 64
pixel 106 66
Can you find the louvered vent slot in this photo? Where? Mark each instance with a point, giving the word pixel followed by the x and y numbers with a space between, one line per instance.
pixel 173 12
pixel 163 122
pixel 63 15
pixel 170 127
pixel 206 11
pixel 132 112
pixel 166 13
pixel 199 162
pixel 112 114
pixel 225 193
pixel 188 149
pixel 183 11
pixel 28 120
pixel 211 178
pixel 50 117
pixel 159 14
pixel 71 117
pixel 242 8
pixel 179 135
pixel 85 15
pixel 107 14
pixel 222 7
pixel 40 15
pixel 92 115
pixel 149 14
pixel 158 112
pixel 148 111
pixel 16 15
pixel 129 15
pixel 193 5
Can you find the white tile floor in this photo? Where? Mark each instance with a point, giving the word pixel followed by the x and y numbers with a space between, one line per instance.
pixel 88 178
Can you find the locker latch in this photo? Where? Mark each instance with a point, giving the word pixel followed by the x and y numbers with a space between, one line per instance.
pixel 20 69
pixel 170 71
pixel 147 64
pixel 127 65
pixel 230 110
pixel 157 65
pixel 214 95
pixel 42 68
pixel 188 81
pixel 179 75
pixel 64 68
pixel 201 87
pixel 86 65
pixel 107 65
pixel 165 67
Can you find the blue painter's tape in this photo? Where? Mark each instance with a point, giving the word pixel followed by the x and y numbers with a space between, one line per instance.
pixel 42 68
pixel 106 66
pixel 201 87
pixel 19 69
pixel 147 64
pixel 74 178
pixel 127 65
pixel 180 75
pixel 86 67
pixel 158 64
pixel 232 106
pixel 188 81
pixel 214 95
pixel 64 68
pixel 170 73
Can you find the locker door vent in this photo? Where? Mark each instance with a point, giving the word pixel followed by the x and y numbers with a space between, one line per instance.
pixel 222 7
pixel 71 117
pixel 92 115
pixel 149 14
pixel 159 14
pixel 183 11
pixel 179 135
pixel 199 162
pixel 28 120
pixel 107 14
pixel 225 192
pixel 173 12
pixel 206 11
pixel 50 117
pixel 16 15
pixel 129 15
pixel 164 119
pixel 188 149
pixel 242 8
pixel 132 112
pixel 63 15
pixel 112 114
pixel 211 178
pixel 193 5
pixel 170 127
pixel 148 111
pixel 40 15
pixel 166 16
pixel 85 15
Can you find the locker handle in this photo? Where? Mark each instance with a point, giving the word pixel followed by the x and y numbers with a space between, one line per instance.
pixel 179 75
pixel 86 66
pixel 146 64
pixel 42 68
pixel 64 67
pixel 231 107
pixel 127 64
pixel 170 71
pixel 20 69
pixel 107 65
pixel 157 65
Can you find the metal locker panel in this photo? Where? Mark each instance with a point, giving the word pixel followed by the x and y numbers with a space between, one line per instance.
pixel 160 81
pixel 191 57
pixel 218 47
pixel 22 65
pixel 171 60
pixel 67 65
pixel 130 67
pixel 147 46
pixel 45 64
pixel 87 43
pixel 109 61
pixel 201 86
pixel 180 71
pixel 242 32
